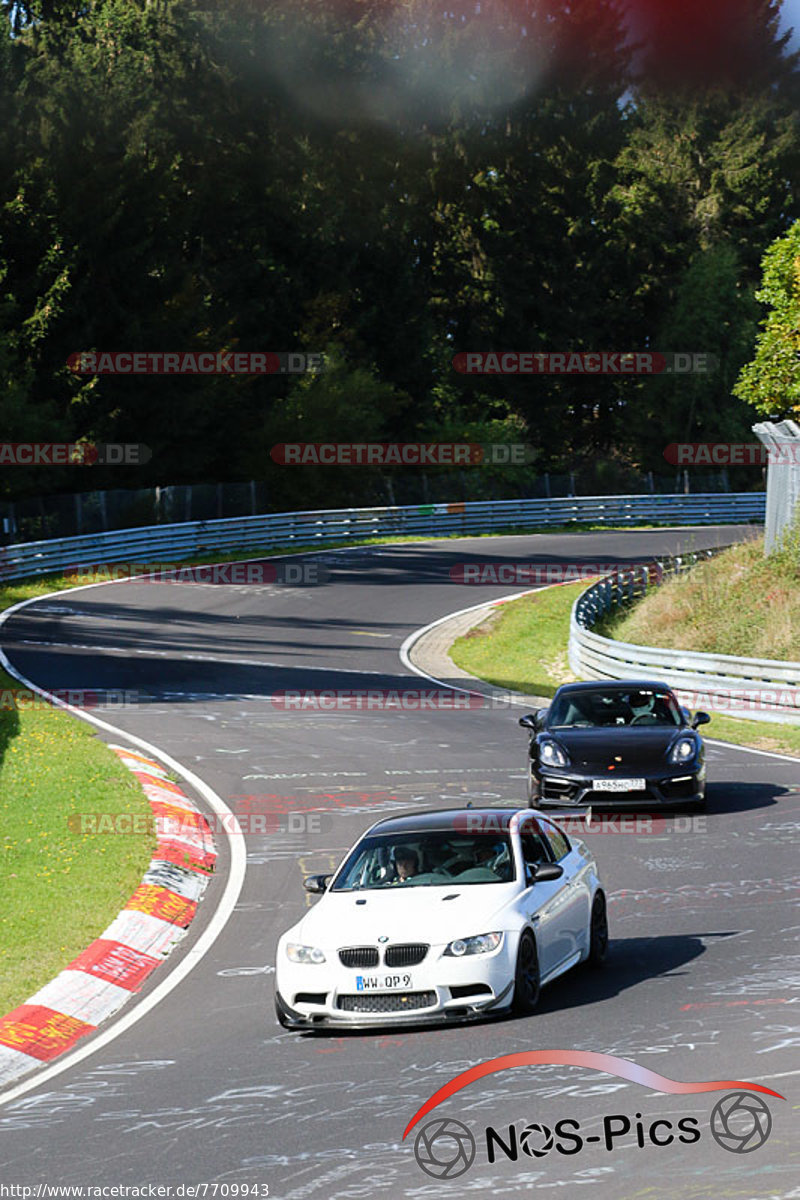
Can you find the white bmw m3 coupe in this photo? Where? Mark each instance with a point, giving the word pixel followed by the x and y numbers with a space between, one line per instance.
pixel 442 916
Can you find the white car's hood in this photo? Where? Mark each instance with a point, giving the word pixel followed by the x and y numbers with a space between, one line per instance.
pixel 405 914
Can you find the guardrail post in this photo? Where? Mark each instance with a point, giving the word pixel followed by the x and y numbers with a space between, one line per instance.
pixel 782 440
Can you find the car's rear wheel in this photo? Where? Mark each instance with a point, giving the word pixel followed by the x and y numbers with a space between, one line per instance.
pixel 527 978
pixel 598 932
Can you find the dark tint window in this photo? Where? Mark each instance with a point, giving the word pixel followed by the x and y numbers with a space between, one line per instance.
pixel 534 848
pixel 559 843
pixel 426 859
pixel 614 706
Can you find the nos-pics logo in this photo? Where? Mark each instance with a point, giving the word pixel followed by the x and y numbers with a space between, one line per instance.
pixel 445 1148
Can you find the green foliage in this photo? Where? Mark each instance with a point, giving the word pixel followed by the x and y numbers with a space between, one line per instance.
pixel 771 381
pixel 339 404
pixel 399 182
pixel 713 314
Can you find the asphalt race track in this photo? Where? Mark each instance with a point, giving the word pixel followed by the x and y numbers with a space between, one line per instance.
pixel 207 1087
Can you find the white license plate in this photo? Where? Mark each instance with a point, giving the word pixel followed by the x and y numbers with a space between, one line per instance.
pixel 383 983
pixel 618 785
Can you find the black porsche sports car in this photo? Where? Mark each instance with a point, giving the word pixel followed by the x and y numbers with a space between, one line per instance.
pixel 628 743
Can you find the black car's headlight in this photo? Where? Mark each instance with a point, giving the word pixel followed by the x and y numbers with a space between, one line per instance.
pixel 304 954
pixel 551 754
pixel 483 943
pixel 684 749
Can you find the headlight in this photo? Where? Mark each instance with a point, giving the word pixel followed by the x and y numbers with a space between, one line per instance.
pixel 684 749
pixel 304 954
pixel 552 755
pixel 482 944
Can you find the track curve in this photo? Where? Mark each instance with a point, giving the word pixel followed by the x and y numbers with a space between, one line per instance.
pixel 207 1087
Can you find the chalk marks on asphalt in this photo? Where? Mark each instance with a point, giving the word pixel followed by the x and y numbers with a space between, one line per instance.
pixel 730 894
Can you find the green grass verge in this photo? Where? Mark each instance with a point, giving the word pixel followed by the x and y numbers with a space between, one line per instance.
pixel 523 647
pixel 737 603
pixel 61 887
pixel 783 739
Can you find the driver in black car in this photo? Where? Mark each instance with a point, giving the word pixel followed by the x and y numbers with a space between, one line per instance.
pixel 641 705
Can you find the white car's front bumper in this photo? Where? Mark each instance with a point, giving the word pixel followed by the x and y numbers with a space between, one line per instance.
pixel 441 988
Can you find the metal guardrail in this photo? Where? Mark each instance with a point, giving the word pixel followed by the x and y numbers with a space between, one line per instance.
pixel 757 688
pixel 171 543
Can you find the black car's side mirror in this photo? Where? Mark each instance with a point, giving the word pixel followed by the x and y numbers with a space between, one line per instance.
pixel 534 721
pixel 700 718
pixel 543 872
pixel 316 883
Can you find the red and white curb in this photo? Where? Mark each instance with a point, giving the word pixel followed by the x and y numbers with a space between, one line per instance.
pixel 100 980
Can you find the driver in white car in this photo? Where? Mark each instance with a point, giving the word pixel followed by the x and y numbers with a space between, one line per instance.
pixel 406 863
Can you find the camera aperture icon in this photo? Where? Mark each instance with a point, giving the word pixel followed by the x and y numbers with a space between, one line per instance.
pixel 536 1140
pixel 444 1149
pixel 740 1122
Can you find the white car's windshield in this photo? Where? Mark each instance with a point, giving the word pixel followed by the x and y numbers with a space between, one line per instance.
pixel 427 859
pixel 616 706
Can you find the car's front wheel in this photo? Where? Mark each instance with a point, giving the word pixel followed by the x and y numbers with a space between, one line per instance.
pixel 598 932
pixel 534 790
pixel 527 978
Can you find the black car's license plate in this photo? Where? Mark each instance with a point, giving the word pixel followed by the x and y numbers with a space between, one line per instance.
pixel 618 785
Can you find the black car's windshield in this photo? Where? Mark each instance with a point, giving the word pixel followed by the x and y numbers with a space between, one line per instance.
pixel 614 706
pixel 427 859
